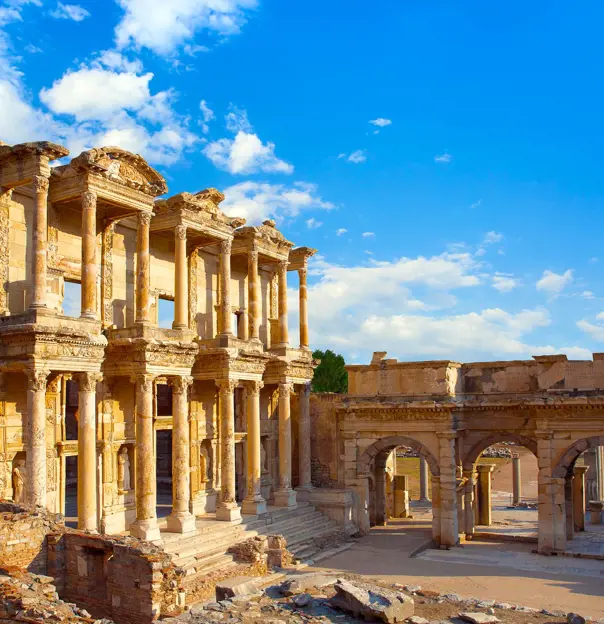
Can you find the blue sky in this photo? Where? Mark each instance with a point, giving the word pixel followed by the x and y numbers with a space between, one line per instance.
pixel 457 144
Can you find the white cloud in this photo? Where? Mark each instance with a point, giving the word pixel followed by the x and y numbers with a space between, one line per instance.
pixel 313 224
pixel 443 158
pixel 555 283
pixel 596 332
pixel 492 237
pixel 380 122
pixel 588 294
pixel 504 283
pixel 357 157
pixel 600 316
pixel 256 201
pixel 164 26
pixel 30 48
pixel 207 115
pixel 73 12
pixel 236 120
pixel 368 234
pixel 341 231
pixel 476 204
pixel 246 154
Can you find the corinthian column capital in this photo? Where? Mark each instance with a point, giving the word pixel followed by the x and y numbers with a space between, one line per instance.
pixel 144 218
pixel 88 200
pixel 87 381
pixel 180 231
pixel 226 386
pixel 226 245
pixel 253 387
pixel 180 385
pixel 36 380
pixel 40 184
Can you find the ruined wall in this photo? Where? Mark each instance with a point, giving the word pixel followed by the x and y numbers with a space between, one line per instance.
pixel 325 446
pixel 20 216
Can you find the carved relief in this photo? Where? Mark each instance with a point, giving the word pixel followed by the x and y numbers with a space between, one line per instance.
pixel 107 276
pixel 5 199
pixel 193 268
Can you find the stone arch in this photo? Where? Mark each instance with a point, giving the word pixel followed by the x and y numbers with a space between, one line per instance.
pixel 494 438
pixel 567 461
pixel 364 462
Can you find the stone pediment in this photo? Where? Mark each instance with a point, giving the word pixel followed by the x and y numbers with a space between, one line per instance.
pixel 267 236
pixel 115 165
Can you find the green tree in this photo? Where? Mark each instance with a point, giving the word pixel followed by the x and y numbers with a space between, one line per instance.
pixel 330 375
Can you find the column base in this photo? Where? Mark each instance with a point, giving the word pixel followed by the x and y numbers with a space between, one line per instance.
pixel 424 500
pixel 254 506
pixel 303 493
pixel 146 530
pixel 181 522
pixel 228 512
pixel 285 498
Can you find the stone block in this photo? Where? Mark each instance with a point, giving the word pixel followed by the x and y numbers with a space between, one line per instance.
pixel 237 586
pixel 478 618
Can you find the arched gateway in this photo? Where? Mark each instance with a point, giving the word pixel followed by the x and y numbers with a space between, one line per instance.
pixel 449 413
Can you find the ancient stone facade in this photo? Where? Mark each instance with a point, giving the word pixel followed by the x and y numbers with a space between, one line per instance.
pixel 449 413
pixel 89 398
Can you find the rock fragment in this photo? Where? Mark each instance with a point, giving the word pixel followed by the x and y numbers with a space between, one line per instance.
pixel 476 617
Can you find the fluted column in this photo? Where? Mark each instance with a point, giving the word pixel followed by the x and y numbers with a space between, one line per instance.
pixel 284 495
pixel 485 516
pixel 87 460
pixel 89 263
pixel 283 329
pixel 180 520
pixel 423 480
pixel 253 286
pixel 181 279
pixel 304 441
pixel 40 243
pixel 227 508
pixel 254 503
pixel 145 525
pixel 143 272
pixel 36 437
pixel 304 342
pixel 225 288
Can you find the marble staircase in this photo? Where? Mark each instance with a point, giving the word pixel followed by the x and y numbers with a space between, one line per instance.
pixel 205 551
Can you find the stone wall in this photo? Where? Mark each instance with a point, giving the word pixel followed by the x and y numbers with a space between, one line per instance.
pixel 324 440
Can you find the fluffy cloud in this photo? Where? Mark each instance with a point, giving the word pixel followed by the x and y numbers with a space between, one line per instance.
pixel 341 231
pixel 504 283
pixel 313 224
pixel 164 26
pixel 555 283
pixel 72 12
pixel 380 122
pixel 368 234
pixel 443 158
pixel 257 201
pixel 236 120
pixel 246 154
pixel 207 115
pixel 355 157
pixel 595 331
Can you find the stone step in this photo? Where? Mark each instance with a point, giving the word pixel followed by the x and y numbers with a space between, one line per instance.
pixel 197 539
pixel 294 523
pixel 206 547
pixel 305 536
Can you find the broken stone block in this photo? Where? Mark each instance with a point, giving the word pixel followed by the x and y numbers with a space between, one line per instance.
pixel 416 619
pixel 478 617
pixel 238 586
pixel 305 582
pixel 302 600
pixel 376 603
pixel 575 618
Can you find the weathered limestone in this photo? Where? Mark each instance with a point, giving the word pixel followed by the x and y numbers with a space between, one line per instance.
pixel 253 296
pixel 579 497
pixel 285 496
pixel 181 279
pixel 283 328
pixel 304 444
pixel 225 287
pixel 38 299
pixel 304 342
pixel 401 496
pixel 143 275
pixel 87 458
pixel 180 520
pixel 145 525
pixel 36 436
pixel 89 262
pixel 423 480
pixel 470 504
pixel 569 506
pixel 595 511
pixel 485 514
pixel 516 481
pixel 253 502
pixel 227 509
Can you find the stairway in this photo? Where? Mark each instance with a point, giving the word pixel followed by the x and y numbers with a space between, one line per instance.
pixel 205 551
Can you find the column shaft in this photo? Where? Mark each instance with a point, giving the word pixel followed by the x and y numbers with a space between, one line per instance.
pixel 568 501
pixel 145 525
pixel 469 504
pixel 304 342
pixel 283 328
pixel 253 286
pixel 87 460
pixel 579 497
pixel 180 520
pixel 227 507
pixel 517 482
pixel 449 535
pixel 254 503
pixel 181 279
pixel 89 263
pixel 400 483
pixel 485 516
pixel 226 321
pixel 36 437
pixel 423 479
pixel 285 496
pixel 39 260
pixel 143 271
pixel 304 439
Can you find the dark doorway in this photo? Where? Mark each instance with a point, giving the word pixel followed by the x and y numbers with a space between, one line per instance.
pixel 71 410
pixel 71 491
pixel 164 472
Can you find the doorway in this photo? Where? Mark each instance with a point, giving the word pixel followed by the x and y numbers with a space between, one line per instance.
pixel 163 472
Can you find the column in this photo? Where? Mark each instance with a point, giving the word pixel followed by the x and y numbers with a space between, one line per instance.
pixel 485 516
pixel 436 504
pixel 145 525
pixel 516 481
pixel 568 506
pixel 180 520
pixel 253 503
pixel 469 503
pixel 38 299
pixel 600 472
pixel 401 496
pixel 283 330
pixel 36 437
pixel 595 511
pixel 87 460
pixel 284 495
pixel 89 263
pixel 423 480
pixel 227 508
pixel 181 279
pixel 304 467
pixel 449 535
pixel 579 496
pixel 225 288
pixel 304 342
pixel 253 288
pixel 143 272
pixel 381 513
